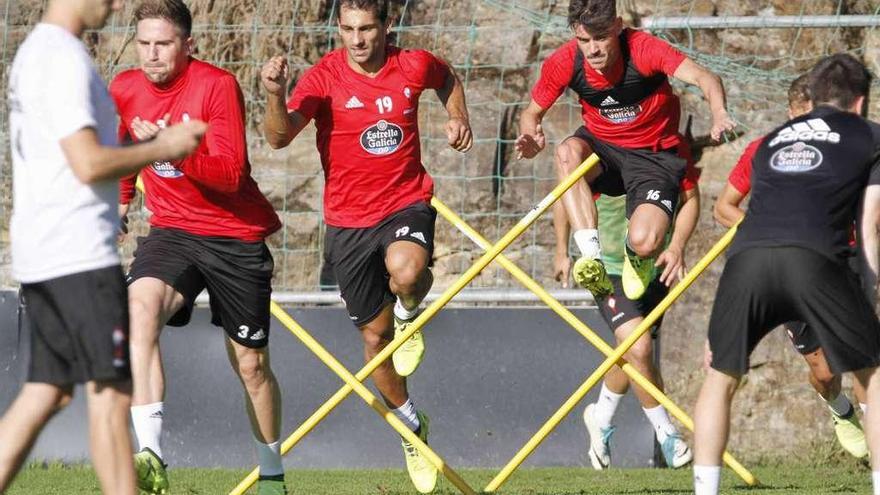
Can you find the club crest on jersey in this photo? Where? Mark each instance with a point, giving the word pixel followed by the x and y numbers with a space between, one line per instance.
pixel 795 158
pixel 166 170
pixel 621 115
pixel 383 138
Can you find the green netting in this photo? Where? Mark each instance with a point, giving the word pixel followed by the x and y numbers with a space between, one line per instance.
pixel 497 47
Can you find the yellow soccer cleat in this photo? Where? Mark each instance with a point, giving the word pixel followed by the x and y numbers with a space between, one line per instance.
pixel 408 356
pixel 590 274
pixel 422 473
pixel 152 478
pixel 637 274
pixel 850 434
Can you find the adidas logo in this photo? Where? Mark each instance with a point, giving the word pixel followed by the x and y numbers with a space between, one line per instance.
pixel 420 236
pixel 258 335
pixel 608 101
pixel 810 130
pixel 667 204
pixel 156 415
pixel 353 102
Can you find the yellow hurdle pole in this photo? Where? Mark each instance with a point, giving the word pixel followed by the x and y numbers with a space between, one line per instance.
pixel 368 397
pixel 610 361
pixel 428 313
pixel 583 329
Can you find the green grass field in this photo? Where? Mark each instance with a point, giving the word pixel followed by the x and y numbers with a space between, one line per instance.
pixel 778 479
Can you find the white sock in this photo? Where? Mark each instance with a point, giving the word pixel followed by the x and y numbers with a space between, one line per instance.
pixel 587 241
pixel 606 406
pixel 659 419
pixel 863 407
pixel 875 478
pixel 270 458
pixel 407 414
pixel 706 480
pixel 840 405
pixel 404 314
pixel 147 422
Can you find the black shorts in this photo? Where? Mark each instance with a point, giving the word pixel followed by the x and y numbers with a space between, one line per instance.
pixel 358 257
pixel 763 287
pixel 618 309
pixel 645 176
pixel 79 328
pixel 803 338
pixel 237 275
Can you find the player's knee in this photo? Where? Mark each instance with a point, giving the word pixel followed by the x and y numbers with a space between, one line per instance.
pixel 375 341
pixel 640 354
pixel 644 241
pixel 252 369
pixel 144 312
pixel 406 274
pixel 566 157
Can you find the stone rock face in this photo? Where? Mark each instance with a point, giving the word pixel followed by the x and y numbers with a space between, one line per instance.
pixel 497 47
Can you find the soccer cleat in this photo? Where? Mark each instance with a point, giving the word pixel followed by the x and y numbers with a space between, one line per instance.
pixel 637 274
pixel 271 485
pixel 676 452
pixel 600 440
pixel 151 476
pixel 850 434
pixel 590 274
pixel 422 473
pixel 408 356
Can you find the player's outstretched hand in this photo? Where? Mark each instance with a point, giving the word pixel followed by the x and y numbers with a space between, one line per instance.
pixel 144 130
pixel 275 74
pixel 458 134
pixel 562 268
pixel 672 261
pixel 529 145
pixel 182 139
pixel 721 124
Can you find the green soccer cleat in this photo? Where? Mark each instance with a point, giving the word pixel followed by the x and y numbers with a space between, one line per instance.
pixel 422 473
pixel 600 440
pixel 152 478
pixel 408 356
pixel 271 485
pixel 676 452
pixel 850 434
pixel 637 274
pixel 590 274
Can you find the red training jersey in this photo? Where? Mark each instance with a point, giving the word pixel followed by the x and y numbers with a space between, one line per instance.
pixel 210 192
pixel 741 175
pixel 368 133
pixel 655 120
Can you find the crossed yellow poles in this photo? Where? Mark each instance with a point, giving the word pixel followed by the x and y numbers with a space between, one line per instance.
pixel 353 382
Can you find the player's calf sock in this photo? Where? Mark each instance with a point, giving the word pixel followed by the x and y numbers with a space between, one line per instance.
pixel 606 406
pixel 840 406
pixel 659 419
pixel 270 458
pixel 587 241
pixel 404 314
pixel 407 414
pixel 707 479
pixel 875 478
pixel 147 422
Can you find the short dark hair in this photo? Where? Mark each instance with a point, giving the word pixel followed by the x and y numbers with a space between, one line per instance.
pixel 596 16
pixel 839 80
pixel 378 7
pixel 799 91
pixel 174 11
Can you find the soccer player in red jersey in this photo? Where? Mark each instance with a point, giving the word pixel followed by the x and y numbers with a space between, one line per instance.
pixel 727 212
pixel 631 119
pixel 207 231
pixel 364 100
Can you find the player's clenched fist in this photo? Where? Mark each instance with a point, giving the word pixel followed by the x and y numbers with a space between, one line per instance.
pixel 275 74
pixel 458 134
pixel 182 139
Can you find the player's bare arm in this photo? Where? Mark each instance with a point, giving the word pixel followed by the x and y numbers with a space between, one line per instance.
pixel 727 210
pixel 713 90
pixel 279 125
pixel 458 127
pixel 92 162
pixel 531 140
pixel 672 258
pixel 869 232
